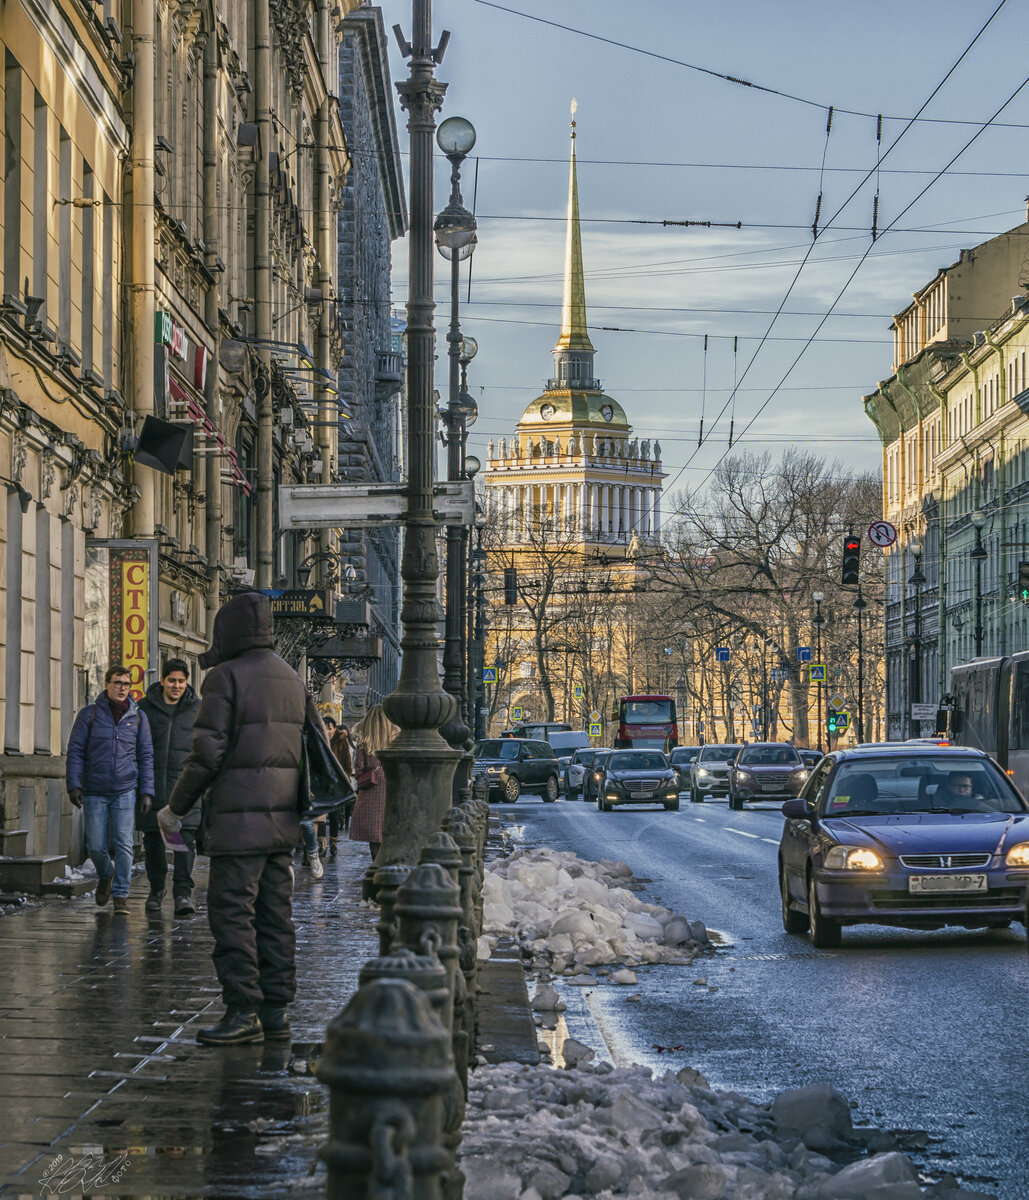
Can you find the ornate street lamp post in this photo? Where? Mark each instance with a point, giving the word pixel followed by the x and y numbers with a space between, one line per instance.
pixel 818 622
pixel 419 765
pixel 978 556
pixel 455 240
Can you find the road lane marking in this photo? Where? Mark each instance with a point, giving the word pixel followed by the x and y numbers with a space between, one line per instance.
pixel 741 832
pixel 770 841
pixel 700 819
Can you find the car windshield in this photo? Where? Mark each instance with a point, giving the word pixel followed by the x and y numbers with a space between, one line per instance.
pixel 718 754
pixel 769 756
pixel 685 754
pixel 634 760
pixel 503 748
pixel 917 783
pixel 584 756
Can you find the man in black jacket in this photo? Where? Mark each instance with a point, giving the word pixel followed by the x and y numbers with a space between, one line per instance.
pixel 246 756
pixel 171 708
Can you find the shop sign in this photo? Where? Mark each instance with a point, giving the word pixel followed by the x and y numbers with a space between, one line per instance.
pixel 130 614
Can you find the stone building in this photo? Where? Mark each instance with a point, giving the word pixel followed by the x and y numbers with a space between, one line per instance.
pixel 169 339
pixel 573 500
pixel 955 436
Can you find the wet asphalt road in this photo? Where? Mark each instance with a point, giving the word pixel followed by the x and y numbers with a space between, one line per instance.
pixel 925 1030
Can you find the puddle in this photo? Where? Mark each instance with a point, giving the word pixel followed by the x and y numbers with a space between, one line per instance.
pixel 553 1037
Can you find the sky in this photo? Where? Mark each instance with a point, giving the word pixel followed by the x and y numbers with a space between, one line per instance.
pixel 665 140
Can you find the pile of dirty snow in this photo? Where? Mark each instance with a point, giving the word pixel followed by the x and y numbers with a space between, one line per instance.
pixel 570 913
pixel 533 1133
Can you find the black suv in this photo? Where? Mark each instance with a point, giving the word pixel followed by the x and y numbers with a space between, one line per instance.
pixel 515 765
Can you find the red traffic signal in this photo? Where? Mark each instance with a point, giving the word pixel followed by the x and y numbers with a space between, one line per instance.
pixel 851 559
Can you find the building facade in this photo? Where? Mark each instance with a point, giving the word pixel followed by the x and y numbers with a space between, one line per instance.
pixel 953 426
pixel 170 338
pixel 573 501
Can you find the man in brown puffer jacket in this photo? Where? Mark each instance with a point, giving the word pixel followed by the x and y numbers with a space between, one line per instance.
pixel 246 756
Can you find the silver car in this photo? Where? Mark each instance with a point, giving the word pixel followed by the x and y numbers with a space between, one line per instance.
pixel 709 774
pixel 580 763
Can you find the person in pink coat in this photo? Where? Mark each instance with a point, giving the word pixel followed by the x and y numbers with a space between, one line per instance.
pixel 373 734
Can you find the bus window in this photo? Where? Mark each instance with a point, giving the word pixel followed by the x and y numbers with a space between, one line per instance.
pixel 1020 716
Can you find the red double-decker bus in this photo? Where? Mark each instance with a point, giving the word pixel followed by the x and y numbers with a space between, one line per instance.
pixel 647 722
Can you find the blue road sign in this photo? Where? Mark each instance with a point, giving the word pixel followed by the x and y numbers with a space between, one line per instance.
pixel 803 654
pixel 721 654
pixel 489 674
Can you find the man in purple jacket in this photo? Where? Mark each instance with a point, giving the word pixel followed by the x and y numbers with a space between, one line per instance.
pixel 110 760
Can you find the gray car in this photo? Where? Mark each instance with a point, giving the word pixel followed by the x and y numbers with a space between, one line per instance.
pixel 638 777
pixel 766 771
pixel 709 774
pixel 511 766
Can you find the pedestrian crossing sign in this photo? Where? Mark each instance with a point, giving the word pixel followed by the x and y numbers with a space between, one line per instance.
pixel 816 672
pixel 517 713
pixel 489 674
pixel 594 729
pixel 577 691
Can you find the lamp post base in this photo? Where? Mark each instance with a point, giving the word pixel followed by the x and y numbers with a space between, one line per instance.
pixel 419 768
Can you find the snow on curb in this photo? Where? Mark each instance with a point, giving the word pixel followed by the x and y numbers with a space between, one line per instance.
pixel 570 914
pixel 533 1133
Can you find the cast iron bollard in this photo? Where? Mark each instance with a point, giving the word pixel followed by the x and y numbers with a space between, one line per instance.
pixel 387 880
pixel 428 910
pixel 424 971
pixel 460 829
pixel 388 1065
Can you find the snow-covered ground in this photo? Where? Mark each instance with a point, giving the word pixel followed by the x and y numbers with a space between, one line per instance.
pixel 591 1129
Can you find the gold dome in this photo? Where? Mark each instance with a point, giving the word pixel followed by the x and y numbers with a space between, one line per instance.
pixel 579 410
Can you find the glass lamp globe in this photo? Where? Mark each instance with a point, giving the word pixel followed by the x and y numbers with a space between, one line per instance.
pixel 455 135
pixel 469 348
pixel 472 465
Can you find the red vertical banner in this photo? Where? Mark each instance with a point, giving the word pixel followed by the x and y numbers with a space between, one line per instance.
pixel 130 614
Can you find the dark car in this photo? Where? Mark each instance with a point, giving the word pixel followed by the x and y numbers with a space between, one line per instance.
pixel 810 758
pixel 766 771
pixel 709 774
pixel 578 768
pixel 638 777
pixel 594 777
pixel 681 758
pixel 515 765
pixel 900 834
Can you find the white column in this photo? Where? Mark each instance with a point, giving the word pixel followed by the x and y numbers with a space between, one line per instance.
pixel 657 511
pixel 584 506
pixel 623 495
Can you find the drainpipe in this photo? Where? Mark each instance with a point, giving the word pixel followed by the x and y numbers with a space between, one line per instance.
pixel 325 244
pixel 263 293
pixel 139 217
pixel 212 463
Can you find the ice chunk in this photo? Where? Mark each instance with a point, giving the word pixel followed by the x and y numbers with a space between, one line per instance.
pixel 624 976
pixel 677 931
pixel 487 1179
pixel 819 1115
pixel 631 1112
pixel 886 1177
pixel 547 999
pixel 575 1052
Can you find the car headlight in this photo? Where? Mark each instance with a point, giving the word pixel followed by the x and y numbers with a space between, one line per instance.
pixel 745 775
pixel 801 773
pixel 703 771
pixel 853 858
pixel 494 770
pixel 1018 856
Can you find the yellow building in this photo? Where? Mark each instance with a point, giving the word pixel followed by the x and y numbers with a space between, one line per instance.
pixel 955 435
pixel 573 499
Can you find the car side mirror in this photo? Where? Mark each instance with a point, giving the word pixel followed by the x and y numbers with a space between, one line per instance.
pixel 797 810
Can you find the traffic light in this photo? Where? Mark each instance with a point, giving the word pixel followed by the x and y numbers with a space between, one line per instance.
pixel 510 585
pixel 851 558
pixel 831 724
pixel 1023 582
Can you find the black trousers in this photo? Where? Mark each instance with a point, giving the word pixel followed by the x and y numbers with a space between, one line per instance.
pixel 249 910
pixel 155 855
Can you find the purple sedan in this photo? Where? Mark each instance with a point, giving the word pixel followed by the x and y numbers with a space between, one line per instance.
pixel 920 836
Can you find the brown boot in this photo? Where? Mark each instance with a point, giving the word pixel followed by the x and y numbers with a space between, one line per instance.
pixel 121 906
pixel 333 847
pixel 322 847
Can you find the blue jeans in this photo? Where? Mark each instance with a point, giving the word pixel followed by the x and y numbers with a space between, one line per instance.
pixel 309 836
pixel 111 818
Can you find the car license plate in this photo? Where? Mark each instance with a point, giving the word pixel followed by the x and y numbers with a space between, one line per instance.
pixel 771 787
pixel 640 795
pixel 946 883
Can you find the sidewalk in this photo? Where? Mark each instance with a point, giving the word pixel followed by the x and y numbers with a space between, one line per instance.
pixel 99 1064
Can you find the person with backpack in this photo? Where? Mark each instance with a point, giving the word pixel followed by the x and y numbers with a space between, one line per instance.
pixel 110 763
pixel 171 707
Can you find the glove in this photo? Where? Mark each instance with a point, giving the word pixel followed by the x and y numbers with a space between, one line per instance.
pixel 75 796
pixel 146 803
pixel 167 821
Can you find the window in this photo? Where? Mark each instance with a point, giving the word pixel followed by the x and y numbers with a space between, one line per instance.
pixel 88 281
pixel 40 202
pixel 66 253
pixel 12 177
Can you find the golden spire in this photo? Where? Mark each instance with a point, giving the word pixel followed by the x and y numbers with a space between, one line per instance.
pixel 573 311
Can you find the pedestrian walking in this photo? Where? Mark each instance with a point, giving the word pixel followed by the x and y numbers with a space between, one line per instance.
pixel 342 746
pixel 171 707
pixel 374 734
pixel 246 756
pixel 110 767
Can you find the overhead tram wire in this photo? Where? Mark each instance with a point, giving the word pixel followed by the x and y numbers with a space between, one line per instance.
pixel 868 175
pixel 857 268
pixel 734 79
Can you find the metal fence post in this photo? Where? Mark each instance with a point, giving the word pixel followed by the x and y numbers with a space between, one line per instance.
pixel 387 880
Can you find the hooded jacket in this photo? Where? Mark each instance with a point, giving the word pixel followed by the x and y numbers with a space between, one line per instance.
pixel 106 757
pixel 171 727
pixel 247 737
